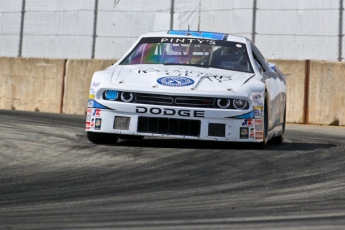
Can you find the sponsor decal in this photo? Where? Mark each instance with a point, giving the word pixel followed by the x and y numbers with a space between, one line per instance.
pixel 244 133
pixel 258 121
pixel 180 71
pixel 258 107
pixel 88 125
pixel 92 96
pixel 170 112
pixel 257 98
pixel 247 122
pixel 258 128
pixel 88 114
pixel 258 113
pixel 96 113
pixel 175 81
pixel 259 135
pixel 98 123
pixel 92 91
pixel 252 133
pixel 90 103
pixel 188 40
pixel 95 84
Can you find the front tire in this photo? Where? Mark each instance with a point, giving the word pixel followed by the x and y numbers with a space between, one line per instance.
pixel 265 124
pixel 279 139
pixel 101 138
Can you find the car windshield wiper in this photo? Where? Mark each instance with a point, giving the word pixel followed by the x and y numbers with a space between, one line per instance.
pixel 197 65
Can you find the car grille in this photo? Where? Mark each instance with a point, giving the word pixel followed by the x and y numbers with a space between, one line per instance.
pixel 154 99
pixel 175 101
pixel 169 126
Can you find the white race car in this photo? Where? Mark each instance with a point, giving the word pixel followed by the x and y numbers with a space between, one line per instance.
pixel 188 84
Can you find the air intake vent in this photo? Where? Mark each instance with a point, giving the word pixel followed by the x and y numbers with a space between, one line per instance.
pixel 154 99
pixel 169 126
pixel 122 123
pixel 216 130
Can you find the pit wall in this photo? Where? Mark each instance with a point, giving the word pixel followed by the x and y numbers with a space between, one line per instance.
pixel 316 89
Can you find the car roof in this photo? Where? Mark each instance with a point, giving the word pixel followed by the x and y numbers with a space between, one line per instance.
pixel 197 34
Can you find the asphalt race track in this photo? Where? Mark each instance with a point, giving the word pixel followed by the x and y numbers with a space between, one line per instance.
pixel 52 177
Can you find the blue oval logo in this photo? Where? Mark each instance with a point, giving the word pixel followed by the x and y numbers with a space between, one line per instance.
pixel 175 81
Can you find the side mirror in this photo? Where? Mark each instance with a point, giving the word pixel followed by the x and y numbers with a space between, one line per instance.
pixel 261 69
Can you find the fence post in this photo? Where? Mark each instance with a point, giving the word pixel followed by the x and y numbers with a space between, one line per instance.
pixel 21 30
pixel 254 21
pixel 94 30
pixel 341 12
pixel 306 92
pixel 172 14
pixel 199 15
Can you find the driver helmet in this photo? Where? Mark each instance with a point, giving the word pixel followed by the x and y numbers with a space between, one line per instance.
pixel 231 56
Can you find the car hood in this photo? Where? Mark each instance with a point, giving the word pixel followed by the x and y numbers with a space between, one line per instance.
pixel 179 78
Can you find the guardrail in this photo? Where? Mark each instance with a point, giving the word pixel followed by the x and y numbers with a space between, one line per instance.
pixel 316 92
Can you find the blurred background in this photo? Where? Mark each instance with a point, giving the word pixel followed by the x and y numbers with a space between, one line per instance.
pixel 105 29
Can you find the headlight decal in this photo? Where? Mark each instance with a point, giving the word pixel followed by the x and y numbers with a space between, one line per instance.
pixel 223 103
pixel 127 97
pixel 111 95
pixel 240 104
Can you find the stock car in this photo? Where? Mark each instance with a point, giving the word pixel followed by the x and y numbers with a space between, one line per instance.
pixel 188 84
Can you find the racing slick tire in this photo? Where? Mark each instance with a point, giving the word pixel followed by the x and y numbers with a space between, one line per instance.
pixel 279 139
pixel 101 138
pixel 265 125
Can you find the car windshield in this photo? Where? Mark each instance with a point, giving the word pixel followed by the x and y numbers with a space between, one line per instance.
pixel 191 52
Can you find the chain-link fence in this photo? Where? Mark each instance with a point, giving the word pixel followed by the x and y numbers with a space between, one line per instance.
pixel 105 29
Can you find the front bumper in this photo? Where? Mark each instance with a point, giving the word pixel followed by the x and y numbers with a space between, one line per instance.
pixel 176 122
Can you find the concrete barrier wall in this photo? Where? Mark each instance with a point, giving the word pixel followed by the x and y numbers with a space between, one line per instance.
pixel 295 80
pixel 77 83
pixel 62 86
pixel 31 84
pixel 326 103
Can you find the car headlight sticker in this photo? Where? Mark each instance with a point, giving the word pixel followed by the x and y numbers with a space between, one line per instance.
pixel 110 95
pixel 223 103
pixel 127 97
pixel 239 103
